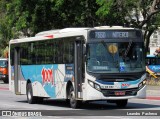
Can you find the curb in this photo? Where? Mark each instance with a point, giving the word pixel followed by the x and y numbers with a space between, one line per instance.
pixel 1 88
pixel 153 98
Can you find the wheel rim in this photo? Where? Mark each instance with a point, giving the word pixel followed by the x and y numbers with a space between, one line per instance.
pixel 72 99
pixel 29 94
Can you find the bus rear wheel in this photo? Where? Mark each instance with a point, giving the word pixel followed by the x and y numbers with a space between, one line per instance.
pixel 72 99
pixel 30 98
pixel 122 103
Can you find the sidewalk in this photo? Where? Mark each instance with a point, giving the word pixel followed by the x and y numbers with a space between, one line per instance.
pixel 153 90
pixel 3 86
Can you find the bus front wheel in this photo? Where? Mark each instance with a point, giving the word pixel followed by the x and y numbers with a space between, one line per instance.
pixel 73 102
pixel 122 103
pixel 30 98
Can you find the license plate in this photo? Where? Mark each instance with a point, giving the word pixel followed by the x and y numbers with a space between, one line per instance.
pixel 120 93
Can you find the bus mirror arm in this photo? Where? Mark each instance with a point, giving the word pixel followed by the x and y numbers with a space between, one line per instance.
pixel 84 53
pixel 84 49
pixel 84 57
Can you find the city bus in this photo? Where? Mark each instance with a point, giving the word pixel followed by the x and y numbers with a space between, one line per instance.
pixel 153 66
pixel 4 69
pixel 79 65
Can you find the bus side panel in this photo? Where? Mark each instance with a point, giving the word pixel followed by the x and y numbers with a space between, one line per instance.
pixel 154 68
pixel 40 75
pixel 47 80
pixel 21 82
pixel 60 84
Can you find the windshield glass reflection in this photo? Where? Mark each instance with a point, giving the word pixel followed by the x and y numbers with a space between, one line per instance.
pixel 115 57
pixel 3 63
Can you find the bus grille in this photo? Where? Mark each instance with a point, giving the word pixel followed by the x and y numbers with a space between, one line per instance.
pixel 128 92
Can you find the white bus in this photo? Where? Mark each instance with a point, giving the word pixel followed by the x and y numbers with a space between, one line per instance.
pixel 79 64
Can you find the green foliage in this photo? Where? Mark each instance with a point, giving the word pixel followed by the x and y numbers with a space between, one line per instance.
pixel 141 14
pixel 105 7
pixel 25 18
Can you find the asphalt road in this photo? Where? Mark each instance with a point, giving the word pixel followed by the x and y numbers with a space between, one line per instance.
pixel 10 101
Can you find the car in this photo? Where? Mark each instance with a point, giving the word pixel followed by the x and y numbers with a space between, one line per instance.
pixel 4 69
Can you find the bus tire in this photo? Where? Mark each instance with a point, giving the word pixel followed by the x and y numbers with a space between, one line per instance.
pixel 30 98
pixel 5 80
pixel 121 103
pixel 73 102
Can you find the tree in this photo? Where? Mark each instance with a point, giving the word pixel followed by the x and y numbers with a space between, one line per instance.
pixel 27 17
pixel 141 14
pixel 4 30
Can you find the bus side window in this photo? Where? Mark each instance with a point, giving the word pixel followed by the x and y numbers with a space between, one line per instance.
pixel 158 61
pixel 153 61
pixel 147 61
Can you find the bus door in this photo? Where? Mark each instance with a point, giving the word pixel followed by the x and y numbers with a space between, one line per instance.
pixel 17 70
pixel 78 68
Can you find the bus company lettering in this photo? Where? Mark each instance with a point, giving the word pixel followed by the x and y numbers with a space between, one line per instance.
pixel 125 85
pixel 120 34
pixel 47 76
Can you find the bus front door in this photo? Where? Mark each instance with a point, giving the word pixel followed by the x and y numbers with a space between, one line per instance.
pixel 78 68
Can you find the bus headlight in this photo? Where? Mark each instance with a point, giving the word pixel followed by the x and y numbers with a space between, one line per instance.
pixel 4 76
pixel 91 83
pixel 94 85
pixel 142 84
pixel 97 87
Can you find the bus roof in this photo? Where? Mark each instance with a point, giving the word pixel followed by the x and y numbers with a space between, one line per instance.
pixel 112 27
pixel 3 58
pixel 66 32
pixel 57 31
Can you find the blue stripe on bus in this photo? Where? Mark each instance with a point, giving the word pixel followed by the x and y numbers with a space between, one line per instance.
pixel 120 83
pixel 104 82
pixel 34 73
pixel 154 68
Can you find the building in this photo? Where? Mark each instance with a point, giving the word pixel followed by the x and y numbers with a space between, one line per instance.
pixel 154 41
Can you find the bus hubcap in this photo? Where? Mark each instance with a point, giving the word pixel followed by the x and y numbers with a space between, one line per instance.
pixel 72 98
pixel 29 94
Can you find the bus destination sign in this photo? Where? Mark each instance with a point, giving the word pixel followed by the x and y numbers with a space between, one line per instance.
pixel 112 34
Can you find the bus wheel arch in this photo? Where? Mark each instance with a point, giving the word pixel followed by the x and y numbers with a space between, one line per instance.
pixel 74 103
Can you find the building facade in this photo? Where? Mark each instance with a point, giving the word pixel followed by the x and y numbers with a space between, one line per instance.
pixel 154 42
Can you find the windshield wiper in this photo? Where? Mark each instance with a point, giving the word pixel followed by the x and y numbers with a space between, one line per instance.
pixel 128 48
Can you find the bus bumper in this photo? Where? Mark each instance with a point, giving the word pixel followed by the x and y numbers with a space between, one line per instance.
pixel 93 94
pixel 142 93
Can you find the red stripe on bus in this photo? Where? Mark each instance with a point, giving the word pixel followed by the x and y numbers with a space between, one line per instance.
pixel 50 36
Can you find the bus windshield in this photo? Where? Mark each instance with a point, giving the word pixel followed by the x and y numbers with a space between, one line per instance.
pixel 153 63
pixel 116 57
pixel 3 63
